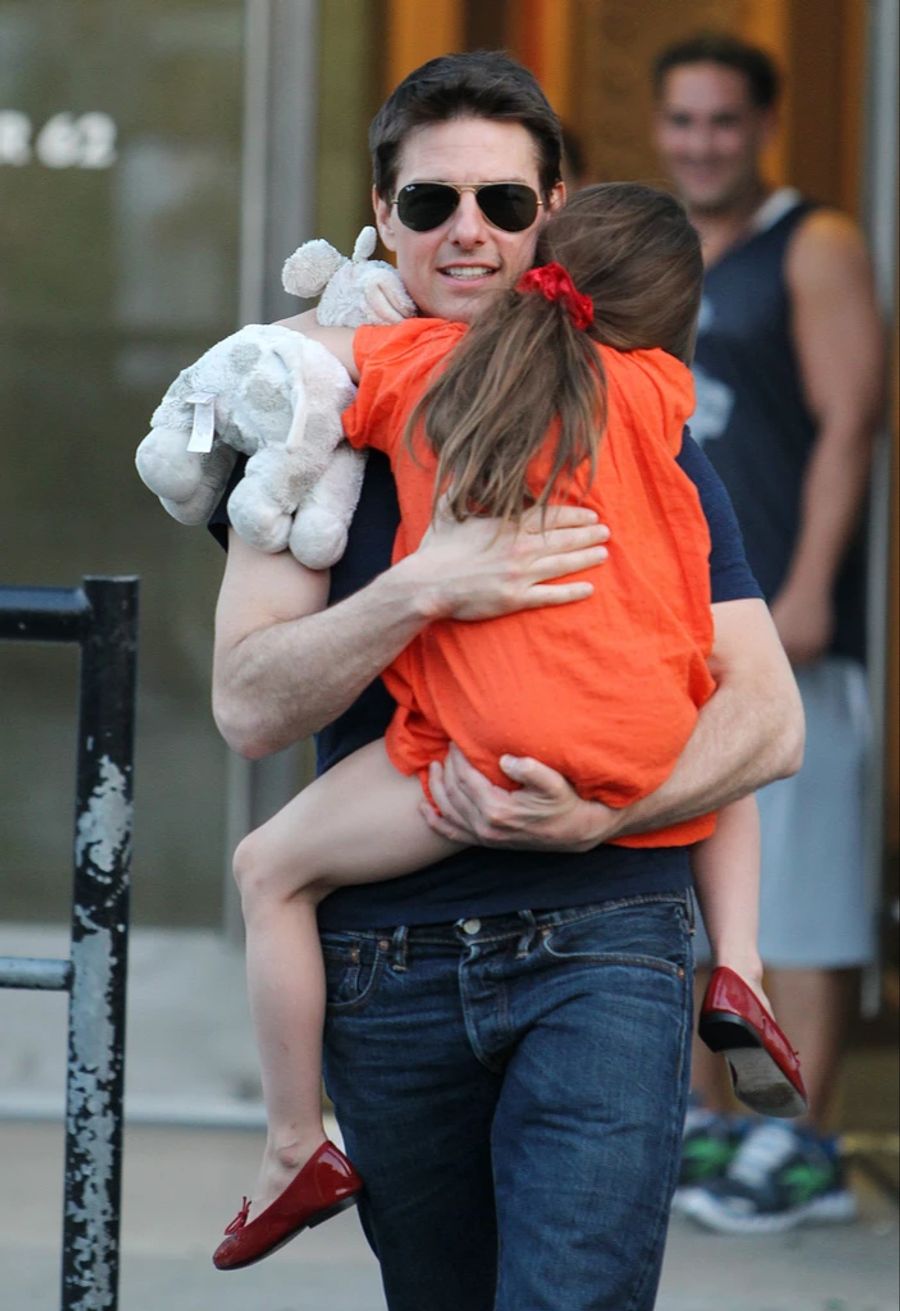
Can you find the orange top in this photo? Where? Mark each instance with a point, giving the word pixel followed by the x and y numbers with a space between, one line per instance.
pixel 605 690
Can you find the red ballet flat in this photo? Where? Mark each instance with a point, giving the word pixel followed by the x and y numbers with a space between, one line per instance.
pixel 326 1185
pixel 765 1069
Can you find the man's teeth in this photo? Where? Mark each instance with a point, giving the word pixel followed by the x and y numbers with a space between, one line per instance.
pixel 470 271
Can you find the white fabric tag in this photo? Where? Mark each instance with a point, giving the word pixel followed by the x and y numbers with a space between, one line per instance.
pixel 204 426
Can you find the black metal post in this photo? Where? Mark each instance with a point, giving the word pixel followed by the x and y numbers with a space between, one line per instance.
pixel 103 830
pixel 102 617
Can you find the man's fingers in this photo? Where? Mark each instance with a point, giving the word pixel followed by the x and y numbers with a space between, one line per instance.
pixel 542 594
pixel 530 773
pixel 540 519
pixel 437 782
pixel 568 537
pixel 441 825
pixel 573 562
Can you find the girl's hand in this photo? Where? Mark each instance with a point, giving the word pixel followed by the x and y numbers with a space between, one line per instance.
pixel 543 813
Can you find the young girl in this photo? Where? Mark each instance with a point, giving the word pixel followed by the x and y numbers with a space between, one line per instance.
pixel 572 387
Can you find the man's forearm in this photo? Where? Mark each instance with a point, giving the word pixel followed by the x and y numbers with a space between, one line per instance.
pixel 285 666
pixel 833 492
pixel 732 752
pixel 282 683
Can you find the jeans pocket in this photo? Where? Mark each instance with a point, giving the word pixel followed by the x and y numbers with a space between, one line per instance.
pixel 353 968
pixel 640 931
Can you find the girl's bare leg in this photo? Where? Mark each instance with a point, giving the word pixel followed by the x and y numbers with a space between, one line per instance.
pixel 358 823
pixel 726 875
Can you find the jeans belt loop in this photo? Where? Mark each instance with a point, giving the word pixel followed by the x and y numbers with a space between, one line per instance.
pixel 523 947
pixel 400 949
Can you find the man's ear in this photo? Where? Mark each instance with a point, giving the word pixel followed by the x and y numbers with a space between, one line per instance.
pixel 557 198
pixel 384 220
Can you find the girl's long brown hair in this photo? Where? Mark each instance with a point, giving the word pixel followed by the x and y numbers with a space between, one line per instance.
pixel 524 370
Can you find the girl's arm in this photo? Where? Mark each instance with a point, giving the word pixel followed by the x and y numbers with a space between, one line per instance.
pixel 337 340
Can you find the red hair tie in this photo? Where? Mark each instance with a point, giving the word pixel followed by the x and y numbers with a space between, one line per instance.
pixel 554 283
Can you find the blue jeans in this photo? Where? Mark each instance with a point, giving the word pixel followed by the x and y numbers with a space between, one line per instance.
pixel 512 1091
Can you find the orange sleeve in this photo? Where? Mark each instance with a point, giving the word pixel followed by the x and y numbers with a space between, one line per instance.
pixel 654 393
pixel 394 365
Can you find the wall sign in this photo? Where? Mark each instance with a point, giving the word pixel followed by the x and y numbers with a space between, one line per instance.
pixel 65 141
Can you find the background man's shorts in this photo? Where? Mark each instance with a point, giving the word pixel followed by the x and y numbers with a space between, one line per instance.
pixel 817 903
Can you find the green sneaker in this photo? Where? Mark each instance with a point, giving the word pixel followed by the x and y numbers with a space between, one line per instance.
pixel 709 1146
pixel 780 1177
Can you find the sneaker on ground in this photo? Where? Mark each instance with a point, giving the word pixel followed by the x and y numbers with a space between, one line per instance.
pixel 709 1146
pixel 781 1176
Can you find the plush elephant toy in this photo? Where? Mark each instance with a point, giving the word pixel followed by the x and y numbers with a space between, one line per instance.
pixel 277 397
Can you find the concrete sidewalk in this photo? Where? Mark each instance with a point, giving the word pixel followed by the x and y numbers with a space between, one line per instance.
pixel 181 1186
pixel 191 1064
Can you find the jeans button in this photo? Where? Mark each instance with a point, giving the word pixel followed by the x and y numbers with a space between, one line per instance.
pixel 471 926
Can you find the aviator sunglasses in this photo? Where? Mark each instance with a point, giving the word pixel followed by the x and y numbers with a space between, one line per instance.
pixel 423 206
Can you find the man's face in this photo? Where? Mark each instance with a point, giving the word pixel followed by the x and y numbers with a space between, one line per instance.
pixel 453 271
pixel 709 135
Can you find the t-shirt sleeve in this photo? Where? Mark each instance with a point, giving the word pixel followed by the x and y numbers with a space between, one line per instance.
pixel 730 576
pixel 394 365
pixel 218 522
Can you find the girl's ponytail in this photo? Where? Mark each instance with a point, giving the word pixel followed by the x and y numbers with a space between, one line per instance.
pixel 621 266
pixel 527 369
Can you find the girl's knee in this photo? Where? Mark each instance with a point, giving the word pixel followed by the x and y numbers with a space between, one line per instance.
pixel 246 864
pixel 263 877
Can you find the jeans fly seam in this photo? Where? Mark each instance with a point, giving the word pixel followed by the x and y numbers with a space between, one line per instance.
pixel 471 1028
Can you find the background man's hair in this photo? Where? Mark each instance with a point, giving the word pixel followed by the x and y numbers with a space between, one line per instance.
pixel 480 84
pixel 758 67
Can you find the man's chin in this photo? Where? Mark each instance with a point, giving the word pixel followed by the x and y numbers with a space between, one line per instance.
pixel 466 303
pixel 711 202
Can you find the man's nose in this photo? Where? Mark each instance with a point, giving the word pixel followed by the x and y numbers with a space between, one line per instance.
pixel 699 139
pixel 468 226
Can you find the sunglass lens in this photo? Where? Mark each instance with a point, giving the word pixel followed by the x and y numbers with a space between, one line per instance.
pixel 508 205
pixel 423 206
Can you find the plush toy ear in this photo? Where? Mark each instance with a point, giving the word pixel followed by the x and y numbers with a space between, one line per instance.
pixel 365 245
pixel 307 272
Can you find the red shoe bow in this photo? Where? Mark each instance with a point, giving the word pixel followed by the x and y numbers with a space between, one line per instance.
pixel 325 1185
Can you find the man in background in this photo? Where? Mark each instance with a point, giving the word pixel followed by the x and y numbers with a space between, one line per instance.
pixel 788 371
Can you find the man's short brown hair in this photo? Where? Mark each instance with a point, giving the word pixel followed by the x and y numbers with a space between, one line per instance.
pixel 760 70
pixel 478 84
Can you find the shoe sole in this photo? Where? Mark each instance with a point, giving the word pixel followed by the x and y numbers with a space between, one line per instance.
pixel 758 1080
pixel 318 1219
pixel 832 1208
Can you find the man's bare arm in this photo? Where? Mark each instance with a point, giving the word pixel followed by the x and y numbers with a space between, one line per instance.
pixel 839 340
pixel 284 666
pixel 749 733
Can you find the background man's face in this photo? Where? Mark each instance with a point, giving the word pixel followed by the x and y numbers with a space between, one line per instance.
pixel 453 271
pixel 709 135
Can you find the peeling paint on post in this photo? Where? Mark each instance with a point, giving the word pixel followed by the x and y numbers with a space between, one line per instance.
pixel 102 617
pixel 102 850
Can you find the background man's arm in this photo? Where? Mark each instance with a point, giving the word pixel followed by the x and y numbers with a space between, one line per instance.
pixel 749 733
pixel 284 665
pixel 839 341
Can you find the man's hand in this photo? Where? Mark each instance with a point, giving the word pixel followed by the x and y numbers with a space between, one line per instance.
pixel 749 733
pixel 479 570
pixel 805 622
pixel 544 813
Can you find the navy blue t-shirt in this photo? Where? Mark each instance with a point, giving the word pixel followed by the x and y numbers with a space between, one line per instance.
pixel 480 881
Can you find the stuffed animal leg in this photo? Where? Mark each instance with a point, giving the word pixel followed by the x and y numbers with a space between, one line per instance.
pixel 279 476
pixel 318 536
